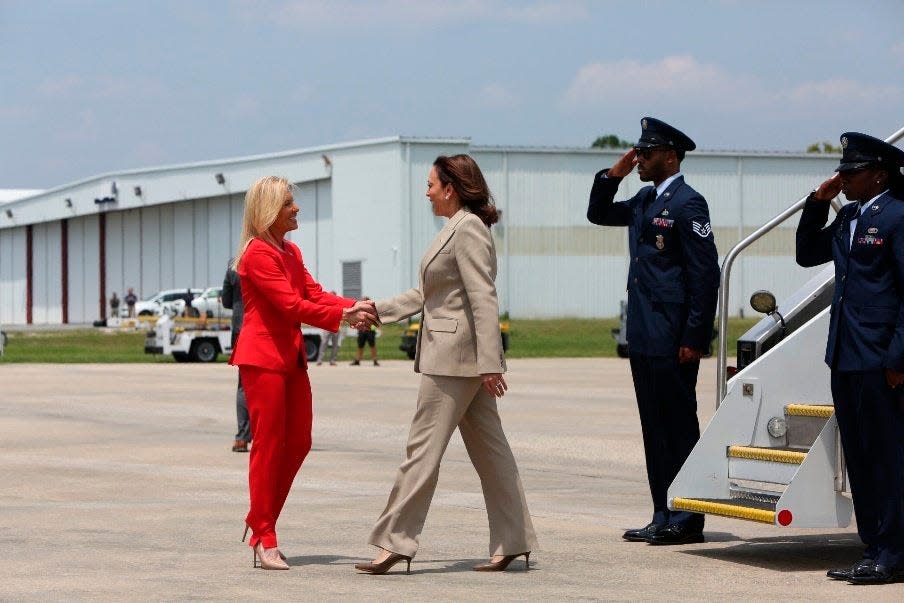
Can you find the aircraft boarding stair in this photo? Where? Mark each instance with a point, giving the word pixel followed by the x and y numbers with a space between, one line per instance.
pixel 771 453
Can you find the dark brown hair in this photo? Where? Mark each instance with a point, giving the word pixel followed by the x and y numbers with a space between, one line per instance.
pixel 462 172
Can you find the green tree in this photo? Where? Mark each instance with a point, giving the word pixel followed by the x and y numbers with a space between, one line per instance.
pixel 823 147
pixel 610 141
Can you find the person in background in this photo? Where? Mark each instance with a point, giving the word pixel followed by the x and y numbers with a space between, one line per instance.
pixel 366 336
pixel 114 306
pixel 278 296
pixel 329 341
pixel 188 310
pixel 131 299
pixel 231 298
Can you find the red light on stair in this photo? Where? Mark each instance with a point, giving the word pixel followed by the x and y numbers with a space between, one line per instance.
pixel 731 371
pixel 784 517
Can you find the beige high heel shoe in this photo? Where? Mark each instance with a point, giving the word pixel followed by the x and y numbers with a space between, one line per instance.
pixel 245 535
pixel 268 558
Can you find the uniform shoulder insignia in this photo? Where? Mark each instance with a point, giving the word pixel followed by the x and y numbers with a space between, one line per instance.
pixel 702 228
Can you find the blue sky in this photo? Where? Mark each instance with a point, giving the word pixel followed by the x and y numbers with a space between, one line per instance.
pixel 91 87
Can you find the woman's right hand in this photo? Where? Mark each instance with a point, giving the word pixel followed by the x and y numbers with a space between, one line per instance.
pixel 829 189
pixel 495 384
pixel 362 314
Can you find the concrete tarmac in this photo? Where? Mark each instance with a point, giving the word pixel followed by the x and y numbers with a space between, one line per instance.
pixel 117 483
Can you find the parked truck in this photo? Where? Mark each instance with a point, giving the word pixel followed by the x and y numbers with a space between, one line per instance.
pixel 193 340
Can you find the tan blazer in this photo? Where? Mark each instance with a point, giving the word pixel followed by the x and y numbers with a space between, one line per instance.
pixel 459 334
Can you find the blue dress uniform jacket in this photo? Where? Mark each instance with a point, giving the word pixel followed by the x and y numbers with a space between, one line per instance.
pixel 866 336
pixel 673 279
pixel 866 329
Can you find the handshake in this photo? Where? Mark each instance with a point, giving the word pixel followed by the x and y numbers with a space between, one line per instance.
pixel 362 315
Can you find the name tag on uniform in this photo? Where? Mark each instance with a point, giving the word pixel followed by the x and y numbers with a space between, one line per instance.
pixel 663 222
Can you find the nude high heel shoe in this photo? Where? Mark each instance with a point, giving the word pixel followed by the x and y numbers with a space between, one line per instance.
pixel 245 535
pixel 499 566
pixel 268 558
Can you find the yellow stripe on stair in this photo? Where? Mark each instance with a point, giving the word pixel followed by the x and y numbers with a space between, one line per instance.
pixel 723 509
pixel 773 455
pixel 809 410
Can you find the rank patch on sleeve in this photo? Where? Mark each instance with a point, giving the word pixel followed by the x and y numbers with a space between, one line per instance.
pixel 702 229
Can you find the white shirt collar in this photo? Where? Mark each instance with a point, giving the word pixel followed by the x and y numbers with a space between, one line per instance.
pixel 870 202
pixel 665 183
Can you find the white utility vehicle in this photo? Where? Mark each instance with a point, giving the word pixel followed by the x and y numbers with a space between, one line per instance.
pixel 193 340
pixel 160 303
pixel 210 305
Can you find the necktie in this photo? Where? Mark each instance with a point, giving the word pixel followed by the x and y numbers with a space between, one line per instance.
pixel 650 198
pixel 854 219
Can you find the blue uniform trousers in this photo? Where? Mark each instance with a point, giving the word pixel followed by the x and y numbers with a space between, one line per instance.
pixel 871 420
pixel 667 402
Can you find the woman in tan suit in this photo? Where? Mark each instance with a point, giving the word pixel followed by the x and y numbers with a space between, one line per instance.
pixel 459 354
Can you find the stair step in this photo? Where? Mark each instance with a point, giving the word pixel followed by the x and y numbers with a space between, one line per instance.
pixel 731 507
pixel 809 410
pixel 774 455
pixel 738 492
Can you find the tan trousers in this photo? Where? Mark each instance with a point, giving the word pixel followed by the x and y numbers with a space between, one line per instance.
pixel 444 403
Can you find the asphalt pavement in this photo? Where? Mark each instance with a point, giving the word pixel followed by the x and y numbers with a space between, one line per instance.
pixel 117 483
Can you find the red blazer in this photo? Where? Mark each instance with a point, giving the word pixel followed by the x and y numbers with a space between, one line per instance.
pixel 279 295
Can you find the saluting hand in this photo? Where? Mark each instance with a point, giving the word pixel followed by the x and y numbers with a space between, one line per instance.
pixel 624 165
pixel 829 189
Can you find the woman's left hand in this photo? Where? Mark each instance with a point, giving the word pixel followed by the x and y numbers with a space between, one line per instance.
pixel 494 384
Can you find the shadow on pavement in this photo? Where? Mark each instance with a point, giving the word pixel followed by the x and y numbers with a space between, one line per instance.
pixel 810 552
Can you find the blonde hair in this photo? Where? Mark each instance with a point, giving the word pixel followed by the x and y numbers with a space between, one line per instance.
pixel 263 202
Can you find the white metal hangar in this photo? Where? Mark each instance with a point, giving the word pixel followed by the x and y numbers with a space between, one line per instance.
pixel 365 222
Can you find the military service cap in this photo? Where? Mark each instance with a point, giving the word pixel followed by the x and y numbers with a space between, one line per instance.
pixel 862 150
pixel 657 133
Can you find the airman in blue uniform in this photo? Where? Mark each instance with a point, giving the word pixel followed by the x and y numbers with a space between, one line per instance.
pixel 673 282
pixel 865 349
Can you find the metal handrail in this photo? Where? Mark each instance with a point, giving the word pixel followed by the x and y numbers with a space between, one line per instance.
pixel 722 364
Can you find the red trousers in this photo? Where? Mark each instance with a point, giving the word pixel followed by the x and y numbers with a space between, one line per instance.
pixel 279 406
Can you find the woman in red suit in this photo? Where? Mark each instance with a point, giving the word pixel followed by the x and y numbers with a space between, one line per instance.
pixel 279 295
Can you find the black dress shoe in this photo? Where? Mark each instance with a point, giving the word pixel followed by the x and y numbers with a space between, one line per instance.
pixel 641 534
pixel 845 573
pixel 878 574
pixel 675 534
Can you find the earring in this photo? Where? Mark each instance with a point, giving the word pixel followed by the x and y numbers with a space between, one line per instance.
pixel 447 197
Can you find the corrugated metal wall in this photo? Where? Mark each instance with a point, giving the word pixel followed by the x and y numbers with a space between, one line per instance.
pixel 12 275
pixel 366 203
pixel 553 262
pixel 185 244
pixel 84 269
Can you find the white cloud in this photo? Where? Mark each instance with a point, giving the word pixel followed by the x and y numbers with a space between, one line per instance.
pixel 678 78
pixel 897 51
pixel 842 90
pixel 101 87
pixel 311 13
pixel 242 107
pixel 684 82
pixel 495 96
pixel 60 85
